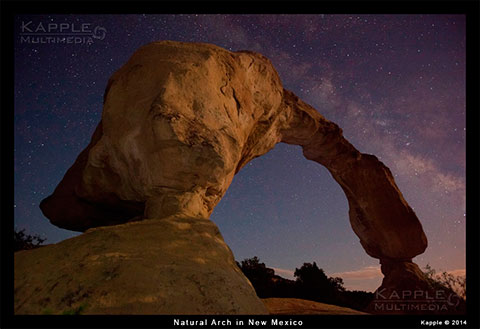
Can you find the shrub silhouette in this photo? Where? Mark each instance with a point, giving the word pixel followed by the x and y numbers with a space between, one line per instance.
pixel 24 241
pixel 452 286
pixel 446 281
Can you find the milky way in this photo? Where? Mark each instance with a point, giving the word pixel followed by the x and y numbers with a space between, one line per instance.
pixel 394 83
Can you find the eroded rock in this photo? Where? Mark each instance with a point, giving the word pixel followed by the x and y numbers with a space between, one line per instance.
pixel 181 119
pixel 406 289
pixel 295 306
pixel 178 265
pixel 386 225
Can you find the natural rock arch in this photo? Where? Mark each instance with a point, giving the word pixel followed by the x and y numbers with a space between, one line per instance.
pixel 199 143
pixel 181 119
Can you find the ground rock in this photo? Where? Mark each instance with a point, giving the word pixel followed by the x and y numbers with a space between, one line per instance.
pixel 295 306
pixel 176 265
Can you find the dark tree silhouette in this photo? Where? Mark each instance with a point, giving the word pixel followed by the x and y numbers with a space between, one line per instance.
pixel 314 284
pixel 24 241
pixel 311 283
pixel 356 299
pixel 309 273
pixel 259 275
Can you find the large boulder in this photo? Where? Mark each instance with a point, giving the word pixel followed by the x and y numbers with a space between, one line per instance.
pixel 181 119
pixel 178 265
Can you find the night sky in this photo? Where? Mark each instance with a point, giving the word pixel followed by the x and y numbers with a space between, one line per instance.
pixel 395 84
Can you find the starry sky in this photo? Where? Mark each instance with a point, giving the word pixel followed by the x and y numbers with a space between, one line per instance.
pixel 394 83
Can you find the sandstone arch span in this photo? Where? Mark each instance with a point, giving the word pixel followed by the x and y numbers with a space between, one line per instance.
pixel 181 119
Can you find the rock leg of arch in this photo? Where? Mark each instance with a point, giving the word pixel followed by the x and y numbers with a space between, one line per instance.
pixel 379 215
pixel 386 225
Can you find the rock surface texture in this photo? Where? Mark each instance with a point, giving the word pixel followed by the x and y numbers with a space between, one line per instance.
pixel 295 306
pixel 178 265
pixel 181 119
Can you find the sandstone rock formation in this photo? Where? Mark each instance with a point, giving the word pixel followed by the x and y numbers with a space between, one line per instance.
pixel 386 225
pixel 405 289
pixel 181 119
pixel 178 265
pixel 295 306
